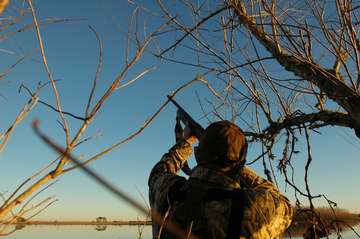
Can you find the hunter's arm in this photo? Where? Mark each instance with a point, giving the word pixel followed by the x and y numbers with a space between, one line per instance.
pixel 171 162
pixel 164 174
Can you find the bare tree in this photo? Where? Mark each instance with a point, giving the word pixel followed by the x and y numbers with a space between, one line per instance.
pixel 3 4
pixel 19 203
pixel 282 68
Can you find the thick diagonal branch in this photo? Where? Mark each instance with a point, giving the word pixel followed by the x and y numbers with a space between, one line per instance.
pixel 329 83
pixel 314 119
pixel 327 117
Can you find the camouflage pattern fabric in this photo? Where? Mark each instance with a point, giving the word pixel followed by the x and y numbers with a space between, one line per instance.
pixel 266 212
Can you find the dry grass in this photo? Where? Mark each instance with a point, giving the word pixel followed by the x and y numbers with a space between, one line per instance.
pixel 327 214
pixel 333 220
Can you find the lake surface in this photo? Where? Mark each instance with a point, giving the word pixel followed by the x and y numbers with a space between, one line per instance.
pixel 111 232
pixel 80 232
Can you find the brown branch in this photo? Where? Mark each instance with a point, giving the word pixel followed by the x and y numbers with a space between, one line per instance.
pixel 42 209
pixel 308 162
pixel 198 24
pixel 133 135
pixel 158 218
pixel 186 63
pixel 17 200
pixel 3 37
pixel 63 112
pixel 3 5
pixel 23 113
pixel 331 85
pixel 117 80
pixel 247 63
pixel 298 119
pixel 57 97
pixel 8 70
pixel 328 117
pixel 46 104
pixel 98 70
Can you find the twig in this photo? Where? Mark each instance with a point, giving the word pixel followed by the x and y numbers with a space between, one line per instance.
pixel 63 112
pixel 198 24
pixel 8 70
pixel 58 104
pixel 130 137
pixel 98 71
pixel 20 117
pixel 111 188
pixel 136 77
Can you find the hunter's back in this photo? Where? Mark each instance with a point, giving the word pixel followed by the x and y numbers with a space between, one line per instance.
pixel 213 206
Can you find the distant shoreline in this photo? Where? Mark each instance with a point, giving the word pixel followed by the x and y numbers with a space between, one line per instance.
pixel 297 228
pixel 82 223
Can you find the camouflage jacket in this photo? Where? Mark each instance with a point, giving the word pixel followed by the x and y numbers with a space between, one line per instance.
pixel 264 212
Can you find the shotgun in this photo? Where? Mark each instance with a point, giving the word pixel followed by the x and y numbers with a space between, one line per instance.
pixel 196 129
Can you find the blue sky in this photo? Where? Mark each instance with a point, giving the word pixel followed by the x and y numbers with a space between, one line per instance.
pixel 72 54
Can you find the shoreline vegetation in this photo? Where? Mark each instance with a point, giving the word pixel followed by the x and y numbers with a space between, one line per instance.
pixel 301 217
pixel 342 220
pixel 81 223
pixel 330 221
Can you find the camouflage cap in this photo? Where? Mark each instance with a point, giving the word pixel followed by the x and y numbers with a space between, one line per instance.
pixel 223 143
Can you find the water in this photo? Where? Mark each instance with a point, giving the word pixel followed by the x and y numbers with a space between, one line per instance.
pixel 111 232
pixel 80 232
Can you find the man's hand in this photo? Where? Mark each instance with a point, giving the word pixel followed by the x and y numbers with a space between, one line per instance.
pixel 188 135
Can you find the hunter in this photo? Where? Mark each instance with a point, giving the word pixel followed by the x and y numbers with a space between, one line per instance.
pixel 222 198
